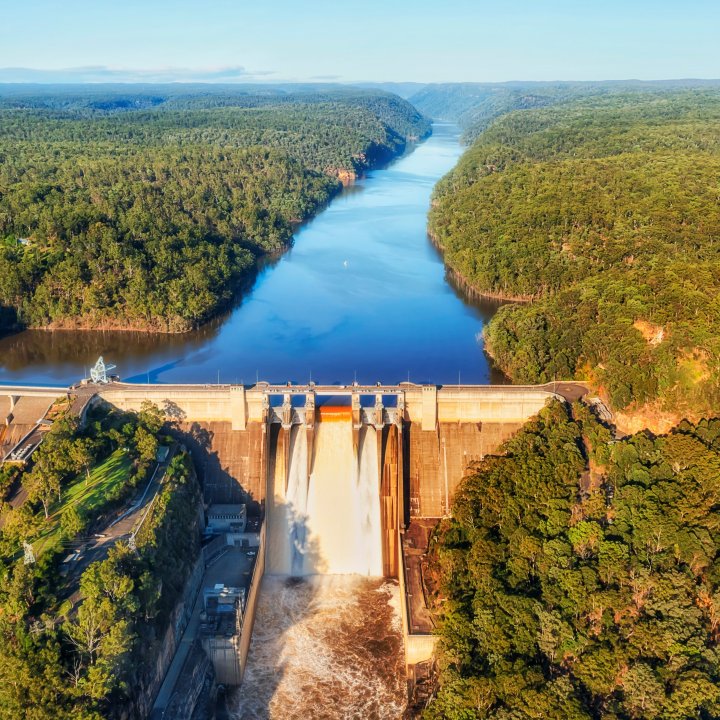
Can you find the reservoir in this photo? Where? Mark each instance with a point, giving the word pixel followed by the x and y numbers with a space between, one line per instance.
pixel 362 295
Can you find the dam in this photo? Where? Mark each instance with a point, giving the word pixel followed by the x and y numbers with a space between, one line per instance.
pixel 342 486
pixel 298 453
pixel 345 480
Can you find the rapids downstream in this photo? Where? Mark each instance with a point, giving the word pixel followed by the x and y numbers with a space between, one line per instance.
pixel 325 647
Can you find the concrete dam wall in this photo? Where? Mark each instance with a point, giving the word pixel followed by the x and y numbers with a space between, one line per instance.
pixel 337 472
pixel 336 481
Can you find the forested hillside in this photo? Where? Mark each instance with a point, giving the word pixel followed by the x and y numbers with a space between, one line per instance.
pixel 475 105
pixel 604 212
pixel 579 580
pixel 80 640
pixel 147 209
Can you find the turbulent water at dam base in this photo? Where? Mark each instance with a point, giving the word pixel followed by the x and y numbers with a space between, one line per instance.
pixel 327 639
pixel 324 647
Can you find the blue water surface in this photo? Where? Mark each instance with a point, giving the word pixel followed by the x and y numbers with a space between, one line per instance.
pixel 361 295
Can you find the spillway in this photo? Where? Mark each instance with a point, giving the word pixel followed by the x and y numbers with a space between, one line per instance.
pixel 327 631
pixel 366 508
pixel 287 517
pixel 324 516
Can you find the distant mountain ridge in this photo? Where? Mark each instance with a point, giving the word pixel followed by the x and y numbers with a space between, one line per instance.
pixel 475 105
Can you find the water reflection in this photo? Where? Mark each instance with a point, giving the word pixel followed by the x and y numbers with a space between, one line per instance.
pixel 59 354
pixel 362 294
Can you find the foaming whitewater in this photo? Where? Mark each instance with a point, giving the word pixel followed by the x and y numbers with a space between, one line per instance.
pixel 324 647
pixel 297 499
pixel 327 522
pixel 366 508
pixel 288 532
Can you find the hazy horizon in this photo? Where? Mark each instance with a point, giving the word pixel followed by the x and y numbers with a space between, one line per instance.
pixel 70 80
pixel 421 41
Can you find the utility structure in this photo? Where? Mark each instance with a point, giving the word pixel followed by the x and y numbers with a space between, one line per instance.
pixel 99 373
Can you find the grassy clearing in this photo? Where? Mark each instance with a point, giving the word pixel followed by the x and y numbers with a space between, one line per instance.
pixel 87 494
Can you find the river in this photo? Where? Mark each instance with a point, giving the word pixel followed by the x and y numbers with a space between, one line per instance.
pixel 326 647
pixel 361 295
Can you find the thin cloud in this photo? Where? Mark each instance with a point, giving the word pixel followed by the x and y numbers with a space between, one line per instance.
pixel 103 73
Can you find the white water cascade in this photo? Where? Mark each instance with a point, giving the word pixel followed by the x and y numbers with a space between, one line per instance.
pixel 366 510
pixel 287 516
pixel 329 523
pixel 327 639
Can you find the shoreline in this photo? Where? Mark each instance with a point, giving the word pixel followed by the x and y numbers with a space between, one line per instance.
pixel 374 161
pixel 467 287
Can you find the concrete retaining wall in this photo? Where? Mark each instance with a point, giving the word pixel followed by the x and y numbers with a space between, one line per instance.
pixel 168 645
pixel 192 403
pixel 252 601
pixel 418 648
pixel 197 678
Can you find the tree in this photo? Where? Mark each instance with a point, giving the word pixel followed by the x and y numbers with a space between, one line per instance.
pixel 560 601
pixel 568 206
pixel 146 445
pixel 81 455
pixel 72 522
pixel 132 238
pixel 151 417
pixel 44 487
pixel 85 661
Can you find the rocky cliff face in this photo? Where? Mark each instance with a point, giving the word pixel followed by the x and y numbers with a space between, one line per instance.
pixel 375 155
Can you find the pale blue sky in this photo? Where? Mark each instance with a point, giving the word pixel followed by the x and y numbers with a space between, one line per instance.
pixel 454 40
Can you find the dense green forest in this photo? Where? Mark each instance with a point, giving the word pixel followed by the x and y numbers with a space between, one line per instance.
pixel 579 578
pixel 81 648
pixel 604 212
pixel 475 105
pixel 148 209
